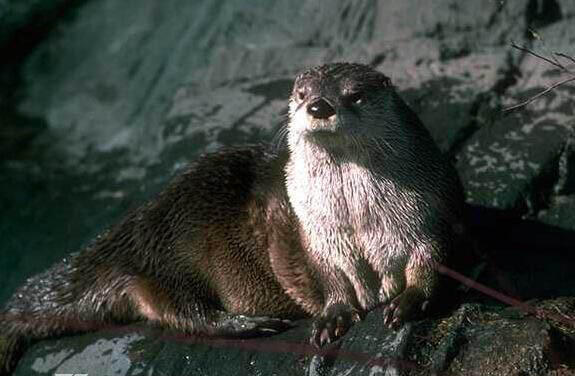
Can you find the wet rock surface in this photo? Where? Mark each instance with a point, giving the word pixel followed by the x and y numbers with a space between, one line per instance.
pixel 473 340
pixel 113 98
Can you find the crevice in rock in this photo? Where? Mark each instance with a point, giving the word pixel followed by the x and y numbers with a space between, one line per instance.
pixel 541 13
pixel 542 188
pixel 561 350
pixel 509 77
pixel 377 59
pixel 23 40
pixel 556 178
pixel 495 16
pixel 18 130
pixel 453 342
pixel 565 183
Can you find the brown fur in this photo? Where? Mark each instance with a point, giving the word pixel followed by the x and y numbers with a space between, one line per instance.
pixel 223 249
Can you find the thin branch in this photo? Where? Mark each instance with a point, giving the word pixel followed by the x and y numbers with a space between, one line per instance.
pixel 553 61
pixel 527 50
pixel 565 56
pixel 525 103
pixel 535 35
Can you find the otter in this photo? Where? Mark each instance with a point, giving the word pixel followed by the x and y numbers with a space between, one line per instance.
pixel 354 212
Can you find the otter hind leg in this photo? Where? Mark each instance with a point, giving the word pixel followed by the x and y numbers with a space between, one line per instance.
pixel 421 282
pixel 197 316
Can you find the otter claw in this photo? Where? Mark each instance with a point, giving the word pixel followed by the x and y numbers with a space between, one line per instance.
pixel 404 307
pixel 333 324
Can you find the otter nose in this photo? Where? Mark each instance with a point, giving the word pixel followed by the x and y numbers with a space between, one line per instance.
pixel 320 109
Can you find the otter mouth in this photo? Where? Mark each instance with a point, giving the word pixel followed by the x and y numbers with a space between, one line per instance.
pixel 325 134
pixel 329 133
pixel 325 129
pixel 329 138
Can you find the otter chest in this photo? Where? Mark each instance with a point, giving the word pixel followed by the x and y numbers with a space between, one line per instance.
pixel 349 222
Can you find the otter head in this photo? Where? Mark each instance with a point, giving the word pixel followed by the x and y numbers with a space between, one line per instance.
pixel 339 107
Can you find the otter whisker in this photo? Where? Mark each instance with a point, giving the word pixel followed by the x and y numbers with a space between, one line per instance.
pixel 280 138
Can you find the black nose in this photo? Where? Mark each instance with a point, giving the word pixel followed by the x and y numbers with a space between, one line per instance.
pixel 320 109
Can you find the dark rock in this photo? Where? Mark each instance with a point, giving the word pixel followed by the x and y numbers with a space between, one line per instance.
pixel 495 345
pixel 441 99
pixel 114 98
pixel 560 212
pixel 21 17
pixel 510 164
pixel 473 341
pixel 16 133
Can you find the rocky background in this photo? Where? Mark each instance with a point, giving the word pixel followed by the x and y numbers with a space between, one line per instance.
pixel 102 101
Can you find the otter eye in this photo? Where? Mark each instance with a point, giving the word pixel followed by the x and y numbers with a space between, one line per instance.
pixel 355 98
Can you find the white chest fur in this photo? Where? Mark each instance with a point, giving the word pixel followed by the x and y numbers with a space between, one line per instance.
pixel 352 220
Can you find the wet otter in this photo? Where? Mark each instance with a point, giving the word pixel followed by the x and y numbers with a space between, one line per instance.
pixel 353 213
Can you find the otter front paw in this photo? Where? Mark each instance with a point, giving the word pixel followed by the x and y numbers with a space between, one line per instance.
pixel 406 306
pixel 334 322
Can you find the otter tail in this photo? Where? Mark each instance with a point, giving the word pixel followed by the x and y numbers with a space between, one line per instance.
pixel 36 311
pixel 11 348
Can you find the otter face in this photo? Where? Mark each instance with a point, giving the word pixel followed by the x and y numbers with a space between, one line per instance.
pixel 337 106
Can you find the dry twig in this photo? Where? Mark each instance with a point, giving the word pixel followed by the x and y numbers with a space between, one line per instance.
pixel 565 56
pixel 553 61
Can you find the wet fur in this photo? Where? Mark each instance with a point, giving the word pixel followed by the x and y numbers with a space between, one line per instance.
pixel 377 201
pixel 186 260
pixel 384 196
pixel 329 227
